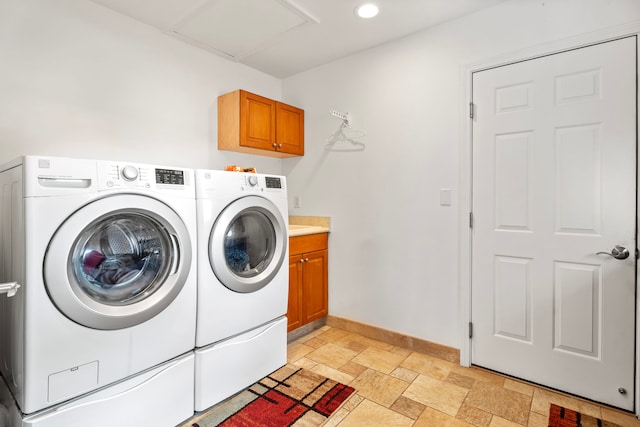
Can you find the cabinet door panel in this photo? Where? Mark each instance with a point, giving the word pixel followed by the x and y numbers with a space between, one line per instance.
pixel 314 286
pixel 289 129
pixel 294 308
pixel 258 121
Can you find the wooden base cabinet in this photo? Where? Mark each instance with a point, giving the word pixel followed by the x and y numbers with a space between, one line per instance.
pixel 253 124
pixel 308 279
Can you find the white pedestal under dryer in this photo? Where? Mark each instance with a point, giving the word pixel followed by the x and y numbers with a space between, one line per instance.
pixel 104 253
pixel 243 281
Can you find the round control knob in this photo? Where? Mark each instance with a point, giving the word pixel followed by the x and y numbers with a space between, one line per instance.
pixel 253 180
pixel 129 173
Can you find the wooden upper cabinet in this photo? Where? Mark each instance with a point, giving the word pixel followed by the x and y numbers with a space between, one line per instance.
pixel 253 124
pixel 257 121
pixel 289 129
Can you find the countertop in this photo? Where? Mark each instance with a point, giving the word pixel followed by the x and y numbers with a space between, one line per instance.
pixel 303 225
pixel 301 230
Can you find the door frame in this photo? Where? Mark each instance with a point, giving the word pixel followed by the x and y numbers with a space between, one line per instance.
pixel 465 181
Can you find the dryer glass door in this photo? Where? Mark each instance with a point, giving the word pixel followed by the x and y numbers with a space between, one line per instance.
pixel 248 244
pixel 118 261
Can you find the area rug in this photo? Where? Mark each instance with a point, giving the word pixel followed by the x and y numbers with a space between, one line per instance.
pixel 290 396
pixel 562 417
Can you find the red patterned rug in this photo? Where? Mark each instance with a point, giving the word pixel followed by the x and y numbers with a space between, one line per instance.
pixel 288 396
pixel 562 417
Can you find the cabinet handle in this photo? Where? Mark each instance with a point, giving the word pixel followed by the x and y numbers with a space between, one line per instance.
pixel 279 145
pixel 302 260
pixel 306 260
pixel 274 145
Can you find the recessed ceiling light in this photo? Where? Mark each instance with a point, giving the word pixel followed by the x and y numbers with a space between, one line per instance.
pixel 368 10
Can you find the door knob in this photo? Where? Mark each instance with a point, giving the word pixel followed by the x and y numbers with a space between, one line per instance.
pixel 618 252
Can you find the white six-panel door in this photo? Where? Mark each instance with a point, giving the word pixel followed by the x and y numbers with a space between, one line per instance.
pixel 554 173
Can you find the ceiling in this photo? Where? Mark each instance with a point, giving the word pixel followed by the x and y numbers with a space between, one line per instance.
pixel 286 37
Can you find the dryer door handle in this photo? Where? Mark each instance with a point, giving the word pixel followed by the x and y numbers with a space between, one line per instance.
pixel 176 255
pixel 9 288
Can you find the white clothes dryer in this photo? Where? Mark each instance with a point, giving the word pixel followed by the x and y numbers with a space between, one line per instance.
pixel 243 281
pixel 104 253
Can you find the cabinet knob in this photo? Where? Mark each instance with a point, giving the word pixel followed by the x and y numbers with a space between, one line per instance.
pixel 279 145
pixel 274 145
pixel 306 260
pixel 302 260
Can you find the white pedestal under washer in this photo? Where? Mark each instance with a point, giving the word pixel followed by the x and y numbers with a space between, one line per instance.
pixel 105 256
pixel 243 281
pixel 159 396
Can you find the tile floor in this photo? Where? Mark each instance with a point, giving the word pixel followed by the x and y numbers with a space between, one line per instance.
pixel 399 387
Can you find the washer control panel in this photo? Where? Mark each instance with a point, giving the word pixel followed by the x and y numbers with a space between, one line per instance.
pixel 136 176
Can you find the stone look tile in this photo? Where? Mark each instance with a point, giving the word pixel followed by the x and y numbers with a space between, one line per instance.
pixel 519 386
pixel 444 397
pixel 538 420
pixel 400 350
pixel 312 334
pixel 479 374
pixel 304 363
pixel 315 343
pixel 460 380
pixel 431 418
pixel 334 374
pixel 427 365
pixel 507 404
pixel 501 422
pixel 379 388
pixel 297 350
pixel 474 416
pixel 332 334
pixel 380 360
pixel 353 369
pixel 408 407
pixel 332 355
pixel 621 418
pixel 369 413
pixel 404 374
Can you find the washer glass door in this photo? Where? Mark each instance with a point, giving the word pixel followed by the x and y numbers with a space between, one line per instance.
pixel 122 258
pixel 117 261
pixel 248 244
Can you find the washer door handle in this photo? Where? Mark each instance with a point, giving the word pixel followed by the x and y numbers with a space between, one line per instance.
pixel 176 253
pixel 9 288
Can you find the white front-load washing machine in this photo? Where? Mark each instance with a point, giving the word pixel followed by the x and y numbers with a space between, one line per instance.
pixel 104 253
pixel 243 281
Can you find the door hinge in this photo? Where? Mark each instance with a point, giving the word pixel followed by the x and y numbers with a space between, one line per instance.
pixel 470 330
pixel 470 219
pixel 471 110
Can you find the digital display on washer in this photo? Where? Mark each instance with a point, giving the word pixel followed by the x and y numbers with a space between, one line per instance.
pixel 169 176
pixel 273 182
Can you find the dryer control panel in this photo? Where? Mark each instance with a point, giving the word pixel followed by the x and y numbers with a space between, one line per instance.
pixel 258 183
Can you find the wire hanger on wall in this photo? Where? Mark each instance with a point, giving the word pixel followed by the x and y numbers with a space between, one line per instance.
pixel 345 133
